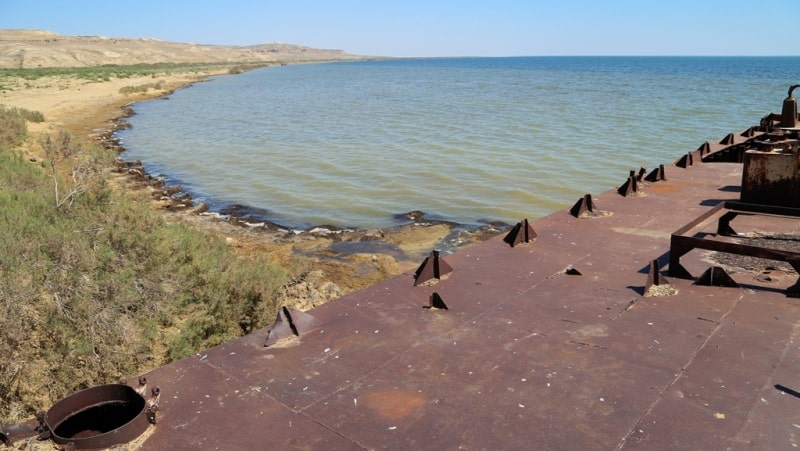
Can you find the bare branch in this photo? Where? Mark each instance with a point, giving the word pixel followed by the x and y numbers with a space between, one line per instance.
pixel 82 172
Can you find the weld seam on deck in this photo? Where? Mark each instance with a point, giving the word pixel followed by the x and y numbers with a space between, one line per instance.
pixel 770 382
pixel 300 410
pixel 334 431
pixel 680 374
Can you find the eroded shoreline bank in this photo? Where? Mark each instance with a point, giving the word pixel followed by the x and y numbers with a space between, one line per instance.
pixel 175 198
pixel 348 258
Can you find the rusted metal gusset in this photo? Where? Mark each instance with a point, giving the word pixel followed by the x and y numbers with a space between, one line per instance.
pixel 521 233
pixel 431 269
pixel 729 149
pixel 728 140
pixel 436 302
pixel 749 132
pixel 704 149
pixel 716 276
pixel 290 322
pixel 584 207
pixel 631 186
pixel 686 160
pixel 656 175
pixel 657 285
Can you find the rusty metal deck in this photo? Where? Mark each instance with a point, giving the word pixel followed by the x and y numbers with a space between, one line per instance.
pixel 526 357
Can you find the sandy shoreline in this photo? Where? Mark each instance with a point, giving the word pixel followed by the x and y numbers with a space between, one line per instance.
pixel 341 261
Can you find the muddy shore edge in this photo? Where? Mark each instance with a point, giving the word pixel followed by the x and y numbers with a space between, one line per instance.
pixel 342 259
pixel 175 199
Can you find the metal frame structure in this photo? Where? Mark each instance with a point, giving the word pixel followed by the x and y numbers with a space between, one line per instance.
pixel 684 240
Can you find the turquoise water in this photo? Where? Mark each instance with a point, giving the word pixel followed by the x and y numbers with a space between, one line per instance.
pixel 469 140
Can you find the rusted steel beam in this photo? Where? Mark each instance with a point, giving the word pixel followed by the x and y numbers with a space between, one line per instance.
pixel 684 244
pixel 681 245
pixel 741 208
pixel 700 219
pixel 775 210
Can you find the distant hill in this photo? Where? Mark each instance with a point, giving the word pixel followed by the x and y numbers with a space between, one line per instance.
pixel 38 48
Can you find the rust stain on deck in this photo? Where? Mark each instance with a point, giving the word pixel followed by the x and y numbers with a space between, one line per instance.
pixel 395 405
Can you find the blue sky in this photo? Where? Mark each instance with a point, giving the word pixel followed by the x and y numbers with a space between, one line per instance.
pixel 438 28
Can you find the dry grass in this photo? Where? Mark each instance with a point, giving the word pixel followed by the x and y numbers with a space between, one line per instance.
pixel 103 287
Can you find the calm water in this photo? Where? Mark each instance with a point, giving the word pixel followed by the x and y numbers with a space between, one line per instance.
pixel 469 140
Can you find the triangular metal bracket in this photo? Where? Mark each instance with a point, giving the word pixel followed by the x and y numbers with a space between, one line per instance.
pixel 629 187
pixel 642 173
pixel 704 148
pixel 584 207
pixel 654 276
pixel 724 224
pixel 728 139
pixel 572 272
pixel 290 322
pixel 431 268
pixel 657 285
pixel 677 270
pixel 656 174
pixel 521 233
pixel 436 302
pixel 716 277
pixel 685 161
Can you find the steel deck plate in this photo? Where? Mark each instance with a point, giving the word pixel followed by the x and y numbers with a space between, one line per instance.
pixel 526 356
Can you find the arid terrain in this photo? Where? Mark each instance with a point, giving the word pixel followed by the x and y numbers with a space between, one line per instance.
pixel 91 109
pixel 27 49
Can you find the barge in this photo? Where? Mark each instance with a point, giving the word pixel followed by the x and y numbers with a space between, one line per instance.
pixel 659 315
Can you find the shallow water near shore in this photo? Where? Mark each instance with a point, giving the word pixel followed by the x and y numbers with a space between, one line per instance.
pixel 468 140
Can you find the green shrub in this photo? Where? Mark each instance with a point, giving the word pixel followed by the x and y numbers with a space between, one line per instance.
pixel 108 288
pixel 141 88
pixel 13 128
pixel 107 72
